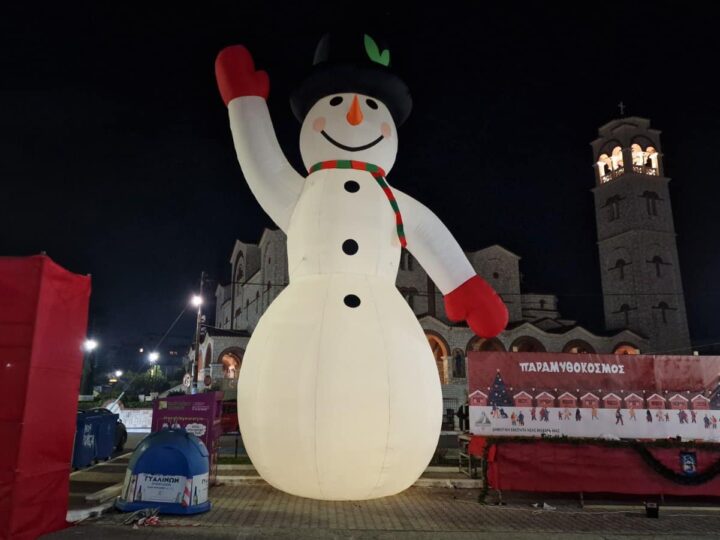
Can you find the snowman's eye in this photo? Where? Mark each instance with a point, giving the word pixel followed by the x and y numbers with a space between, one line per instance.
pixel 371 103
pixel 337 100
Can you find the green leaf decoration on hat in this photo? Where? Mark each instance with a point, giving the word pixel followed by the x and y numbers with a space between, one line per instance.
pixel 373 51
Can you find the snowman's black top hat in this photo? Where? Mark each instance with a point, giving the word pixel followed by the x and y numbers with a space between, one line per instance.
pixel 352 62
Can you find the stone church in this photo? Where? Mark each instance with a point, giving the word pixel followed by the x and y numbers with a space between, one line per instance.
pixel 642 290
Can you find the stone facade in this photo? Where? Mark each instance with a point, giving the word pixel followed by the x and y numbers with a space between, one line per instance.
pixel 640 269
pixel 260 272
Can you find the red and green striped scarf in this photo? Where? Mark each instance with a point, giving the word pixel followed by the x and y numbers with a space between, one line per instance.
pixel 379 176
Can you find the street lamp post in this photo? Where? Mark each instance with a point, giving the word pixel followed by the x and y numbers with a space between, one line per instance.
pixel 86 385
pixel 197 301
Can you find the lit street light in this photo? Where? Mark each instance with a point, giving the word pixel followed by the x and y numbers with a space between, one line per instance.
pixel 86 383
pixel 197 302
pixel 153 356
pixel 118 373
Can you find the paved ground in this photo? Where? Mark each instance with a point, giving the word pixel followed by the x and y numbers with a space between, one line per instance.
pixel 251 509
pixel 259 511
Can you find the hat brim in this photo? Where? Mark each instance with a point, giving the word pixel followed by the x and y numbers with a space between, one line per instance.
pixel 330 79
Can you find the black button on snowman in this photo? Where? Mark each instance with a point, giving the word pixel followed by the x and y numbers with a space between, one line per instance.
pixel 343 386
pixel 352 186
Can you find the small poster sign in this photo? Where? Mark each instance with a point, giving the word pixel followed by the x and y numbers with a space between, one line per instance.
pixel 688 463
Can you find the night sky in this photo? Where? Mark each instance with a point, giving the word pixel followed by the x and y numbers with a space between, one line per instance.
pixel 116 156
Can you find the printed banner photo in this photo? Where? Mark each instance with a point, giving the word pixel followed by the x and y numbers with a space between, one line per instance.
pixel 589 395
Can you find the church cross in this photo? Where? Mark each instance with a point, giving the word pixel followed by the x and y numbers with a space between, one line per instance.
pixel 621 106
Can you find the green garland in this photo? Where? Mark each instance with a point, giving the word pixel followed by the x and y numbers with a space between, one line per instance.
pixel 640 447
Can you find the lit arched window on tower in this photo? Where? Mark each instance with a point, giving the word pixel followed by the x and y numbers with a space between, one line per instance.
pixel 652 161
pixel 604 168
pixel 617 159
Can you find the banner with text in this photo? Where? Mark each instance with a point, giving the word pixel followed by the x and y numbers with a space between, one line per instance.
pixel 590 395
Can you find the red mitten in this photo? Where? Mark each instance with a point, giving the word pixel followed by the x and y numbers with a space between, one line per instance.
pixel 477 303
pixel 236 75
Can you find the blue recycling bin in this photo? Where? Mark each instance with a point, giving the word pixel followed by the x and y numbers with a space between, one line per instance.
pixel 169 470
pixel 84 448
pixel 105 426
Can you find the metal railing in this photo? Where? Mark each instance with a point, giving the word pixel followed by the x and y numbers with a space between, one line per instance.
pixel 637 169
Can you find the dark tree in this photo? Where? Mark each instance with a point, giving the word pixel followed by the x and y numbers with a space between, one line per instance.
pixel 498 393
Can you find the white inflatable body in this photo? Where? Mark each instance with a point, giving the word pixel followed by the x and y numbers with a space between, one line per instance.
pixel 336 400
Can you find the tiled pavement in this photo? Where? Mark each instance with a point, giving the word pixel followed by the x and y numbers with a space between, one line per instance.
pixel 259 511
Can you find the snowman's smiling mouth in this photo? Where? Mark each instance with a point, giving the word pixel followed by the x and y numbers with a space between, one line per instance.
pixel 351 148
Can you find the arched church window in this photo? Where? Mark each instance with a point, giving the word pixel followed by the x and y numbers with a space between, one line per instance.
pixel 617 158
pixel 651 158
pixel 578 346
pixel 613 206
pixel 257 301
pixel 527 344
pixel 604 167
pixel 620 265
pixel 458 364
pixel 651 199
pixel 625 310
pixel 638 156
pixel 440 351
pixel 239 271
pixel 658 261
pixel 542 303
pixel 410 263
pixel 626 348
pixel 477 343
pixel 664 308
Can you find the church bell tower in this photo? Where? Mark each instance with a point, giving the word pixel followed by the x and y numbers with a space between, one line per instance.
pixel 639 265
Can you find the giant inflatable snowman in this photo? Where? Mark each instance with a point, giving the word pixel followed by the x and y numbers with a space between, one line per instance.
pixel 339 396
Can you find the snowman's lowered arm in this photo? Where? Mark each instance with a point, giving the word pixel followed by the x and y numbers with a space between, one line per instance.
pixel 467 296
pixel 273 181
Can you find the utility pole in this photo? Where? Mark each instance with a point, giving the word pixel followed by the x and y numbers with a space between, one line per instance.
pixel 198 322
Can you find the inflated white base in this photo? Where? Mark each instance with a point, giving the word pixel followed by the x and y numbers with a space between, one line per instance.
pixel 339 403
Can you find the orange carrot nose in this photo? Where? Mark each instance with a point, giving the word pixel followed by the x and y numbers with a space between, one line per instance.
pixel 355 115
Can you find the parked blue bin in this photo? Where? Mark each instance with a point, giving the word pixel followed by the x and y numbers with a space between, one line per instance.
pixel 84 449
pixel 105 425
pixel 169 470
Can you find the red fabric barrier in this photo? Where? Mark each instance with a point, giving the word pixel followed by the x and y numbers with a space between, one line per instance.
pixel 555 467
pixel 43 321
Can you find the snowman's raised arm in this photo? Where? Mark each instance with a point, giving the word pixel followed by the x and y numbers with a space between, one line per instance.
pixel 273 181
pixel 432 244
pixel 467 296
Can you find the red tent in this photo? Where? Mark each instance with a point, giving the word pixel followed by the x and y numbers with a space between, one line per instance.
pixel 43 321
